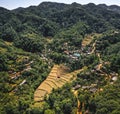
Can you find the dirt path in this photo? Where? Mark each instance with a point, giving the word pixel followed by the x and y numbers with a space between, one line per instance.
pixel 18 74
pixel 78 105
pixel 78 102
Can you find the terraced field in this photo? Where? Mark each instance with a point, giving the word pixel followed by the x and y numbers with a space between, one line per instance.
pixel 58 76
pixel 88 39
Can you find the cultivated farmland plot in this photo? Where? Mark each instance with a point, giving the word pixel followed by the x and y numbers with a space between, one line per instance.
pixel 58 77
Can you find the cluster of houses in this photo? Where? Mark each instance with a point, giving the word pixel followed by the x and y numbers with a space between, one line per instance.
pixel 113 77
pixel 72 55
pixel 92 88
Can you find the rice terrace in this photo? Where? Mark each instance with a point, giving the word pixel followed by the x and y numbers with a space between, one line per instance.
pixel 58 76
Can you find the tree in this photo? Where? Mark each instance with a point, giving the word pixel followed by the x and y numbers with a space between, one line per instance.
pixel 11 109
pixel 48 28
pixel 48 111
pixel 115 63
pixel 8 33
pixel 29 44
pixel 34 111
pixel 23 105
pixel 3 62
pixel 67 106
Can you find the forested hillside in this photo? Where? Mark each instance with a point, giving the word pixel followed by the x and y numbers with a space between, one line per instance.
pixel 60 58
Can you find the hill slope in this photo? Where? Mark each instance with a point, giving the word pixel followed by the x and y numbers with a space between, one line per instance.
pixel 34 39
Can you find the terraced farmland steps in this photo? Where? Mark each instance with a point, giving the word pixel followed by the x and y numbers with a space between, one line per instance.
pixel 53 82
pixel 58 77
